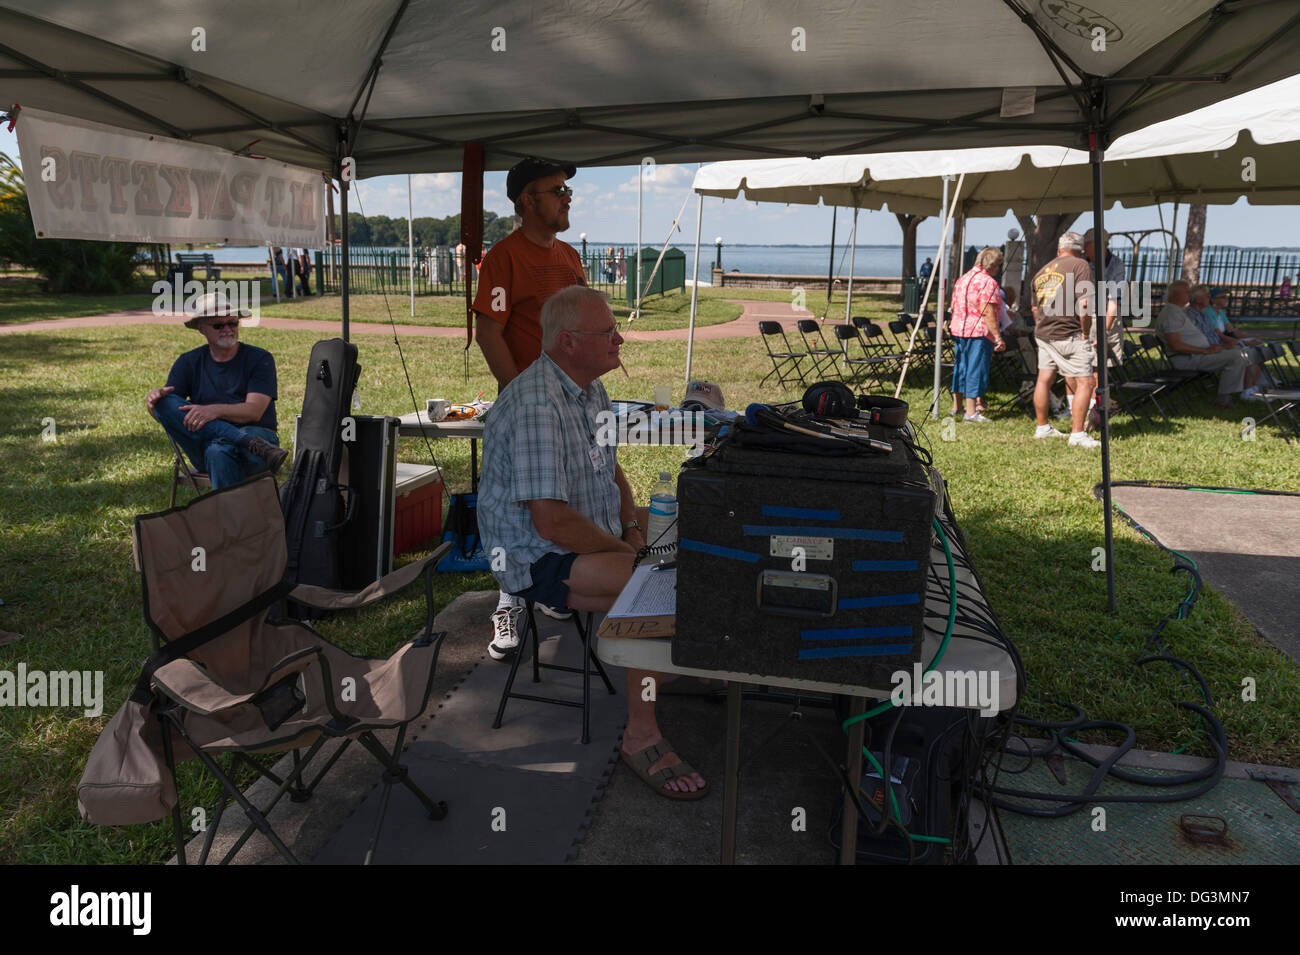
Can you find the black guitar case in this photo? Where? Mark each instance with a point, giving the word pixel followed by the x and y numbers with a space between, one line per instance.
pixel 312 498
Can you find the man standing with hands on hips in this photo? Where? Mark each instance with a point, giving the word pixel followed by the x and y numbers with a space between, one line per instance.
pixel 519 274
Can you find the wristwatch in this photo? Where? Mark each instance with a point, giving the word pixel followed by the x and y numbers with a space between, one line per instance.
pixel 630 524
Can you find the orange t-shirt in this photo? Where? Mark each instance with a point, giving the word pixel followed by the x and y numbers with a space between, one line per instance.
pixel 516 279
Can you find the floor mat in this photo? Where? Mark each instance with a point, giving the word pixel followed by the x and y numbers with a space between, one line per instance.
pixel 1246 546
pixel 1261 828
pixel 521 794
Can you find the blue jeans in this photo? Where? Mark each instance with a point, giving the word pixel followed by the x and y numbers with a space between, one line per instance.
pixel 219 447
pixel 971 360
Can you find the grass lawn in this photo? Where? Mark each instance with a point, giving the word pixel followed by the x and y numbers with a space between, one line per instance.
pixel 21 300
pixel 1026 508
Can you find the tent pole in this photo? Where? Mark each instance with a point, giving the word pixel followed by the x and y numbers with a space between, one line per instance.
pixel 640 172
pixel 853 253
pixel 695 286
pixel 830 268
pixel 410 244
pixel 343 234
pixel 938 320
pixel 1096 152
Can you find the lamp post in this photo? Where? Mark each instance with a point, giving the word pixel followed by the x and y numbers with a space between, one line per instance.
pixel 718 262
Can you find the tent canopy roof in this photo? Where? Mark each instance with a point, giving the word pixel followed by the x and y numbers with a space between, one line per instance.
pixel 602 83
pixel 1197 157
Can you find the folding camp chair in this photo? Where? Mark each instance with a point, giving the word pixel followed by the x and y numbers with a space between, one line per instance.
pixel 182 470
pixel 819 352
pixel 782 360
pixel 588 658
pixel 225 680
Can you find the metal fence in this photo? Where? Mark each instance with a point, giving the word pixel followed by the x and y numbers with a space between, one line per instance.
pixel 1238 269
pixel 439 271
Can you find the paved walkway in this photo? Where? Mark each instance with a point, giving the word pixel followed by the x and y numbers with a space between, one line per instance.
pixel 746 326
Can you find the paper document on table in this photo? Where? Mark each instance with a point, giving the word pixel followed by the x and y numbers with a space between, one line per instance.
pixel 650 593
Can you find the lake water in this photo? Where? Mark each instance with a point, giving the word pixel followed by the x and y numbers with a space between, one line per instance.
pixel 870 260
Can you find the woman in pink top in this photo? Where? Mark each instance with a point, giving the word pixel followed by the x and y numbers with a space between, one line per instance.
pixel 977 307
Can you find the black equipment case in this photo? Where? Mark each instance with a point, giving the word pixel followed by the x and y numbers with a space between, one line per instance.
pixel 851 609
pixel 312 500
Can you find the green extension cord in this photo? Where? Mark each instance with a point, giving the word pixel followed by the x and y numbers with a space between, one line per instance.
pixel 952 620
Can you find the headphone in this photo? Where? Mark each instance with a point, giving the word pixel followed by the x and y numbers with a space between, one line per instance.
pixel 834 399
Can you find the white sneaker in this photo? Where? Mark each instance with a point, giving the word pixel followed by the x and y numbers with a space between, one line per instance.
pixel 1047 431
pixel 555 613
pixel 505 636
pixel 1081 439
pixel 977 418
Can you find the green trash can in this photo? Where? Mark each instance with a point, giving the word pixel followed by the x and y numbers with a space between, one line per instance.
pixel 911 295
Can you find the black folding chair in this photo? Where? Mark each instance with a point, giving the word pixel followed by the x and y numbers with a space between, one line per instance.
pixel 588 658
pixel 785 360
pixel 818 350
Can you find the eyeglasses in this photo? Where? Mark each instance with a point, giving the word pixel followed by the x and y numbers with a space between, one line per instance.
pixel 559 192
pixel 220 325
pixel 609 333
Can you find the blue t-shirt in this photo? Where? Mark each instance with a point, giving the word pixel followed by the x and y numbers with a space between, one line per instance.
pixel 198 378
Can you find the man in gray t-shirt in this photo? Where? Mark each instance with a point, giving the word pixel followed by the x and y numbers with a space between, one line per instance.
pixel 1062 316
pixel 1190 348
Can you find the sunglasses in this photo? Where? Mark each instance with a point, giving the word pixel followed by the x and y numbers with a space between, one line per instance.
pixel 609 333
pixel 559 192
pixel 220 325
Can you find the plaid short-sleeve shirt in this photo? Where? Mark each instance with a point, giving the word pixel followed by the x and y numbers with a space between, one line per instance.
pixel 540 443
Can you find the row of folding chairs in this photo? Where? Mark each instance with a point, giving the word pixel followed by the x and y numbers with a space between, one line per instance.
pixel 857 352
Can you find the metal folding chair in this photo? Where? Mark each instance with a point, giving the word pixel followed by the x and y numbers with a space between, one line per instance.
pixel 782 359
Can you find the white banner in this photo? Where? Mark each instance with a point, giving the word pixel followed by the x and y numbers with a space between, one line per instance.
pixel 90 181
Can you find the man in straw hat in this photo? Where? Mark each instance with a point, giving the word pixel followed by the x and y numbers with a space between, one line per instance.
pixel 219 401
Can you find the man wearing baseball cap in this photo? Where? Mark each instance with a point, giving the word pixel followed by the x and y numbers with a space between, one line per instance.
pixel 519 274
pixel 219 400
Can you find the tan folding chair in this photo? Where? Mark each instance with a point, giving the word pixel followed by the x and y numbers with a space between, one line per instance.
pixel 225 680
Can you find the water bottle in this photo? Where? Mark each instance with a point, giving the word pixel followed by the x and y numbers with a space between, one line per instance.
pixel 663 517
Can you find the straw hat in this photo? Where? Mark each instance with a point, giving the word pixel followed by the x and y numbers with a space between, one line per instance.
pixel 212 305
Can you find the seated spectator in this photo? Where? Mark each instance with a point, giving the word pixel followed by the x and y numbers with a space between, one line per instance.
pixel 1217 312
pixel 1200 311
pixel 219 400
pixel 555 499
pixel 977 309
pixel 1194 344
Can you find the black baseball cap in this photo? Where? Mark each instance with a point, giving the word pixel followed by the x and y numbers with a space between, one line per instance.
pixel 531 169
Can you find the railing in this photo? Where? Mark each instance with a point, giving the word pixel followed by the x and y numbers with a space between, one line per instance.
pixel 440 271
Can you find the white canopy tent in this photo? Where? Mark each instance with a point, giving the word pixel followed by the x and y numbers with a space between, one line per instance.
pixel 1247 145
pixel 1198 157
pixel 404 86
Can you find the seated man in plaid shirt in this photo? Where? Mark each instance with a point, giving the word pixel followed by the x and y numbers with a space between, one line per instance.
pixel 555 500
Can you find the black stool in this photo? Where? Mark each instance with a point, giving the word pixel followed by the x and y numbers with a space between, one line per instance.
pixel 530 628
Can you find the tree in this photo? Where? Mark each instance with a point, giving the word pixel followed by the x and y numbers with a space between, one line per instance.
pixel 1193 242
pixel 67 265
pixel 908 223
pixel 1041 233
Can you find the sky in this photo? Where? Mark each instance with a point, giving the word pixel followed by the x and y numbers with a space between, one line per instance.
pixel 605 208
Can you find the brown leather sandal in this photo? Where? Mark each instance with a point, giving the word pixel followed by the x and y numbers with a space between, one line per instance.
pixel 641 762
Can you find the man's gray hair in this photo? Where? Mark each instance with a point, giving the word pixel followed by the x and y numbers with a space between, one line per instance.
pixel 989 259
pixel 1198 289
pixel 1071 241
pixel 563 310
